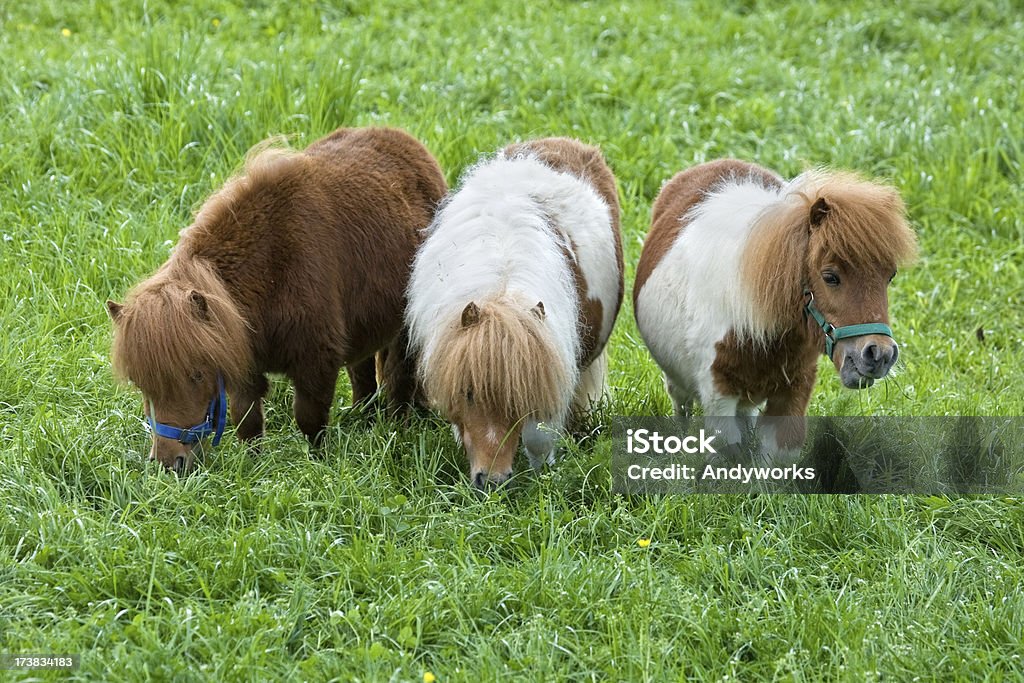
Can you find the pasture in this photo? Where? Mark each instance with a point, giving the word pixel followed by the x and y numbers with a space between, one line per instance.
pixel 377 561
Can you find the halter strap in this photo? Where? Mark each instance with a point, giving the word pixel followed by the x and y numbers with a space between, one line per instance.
pixel 216 418
pixel 833 333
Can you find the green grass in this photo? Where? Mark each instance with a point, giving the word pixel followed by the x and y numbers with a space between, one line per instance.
pixel 376 562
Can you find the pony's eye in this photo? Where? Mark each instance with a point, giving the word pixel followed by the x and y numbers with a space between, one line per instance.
pixel 830 278
pixel 893 276
pixel 196 377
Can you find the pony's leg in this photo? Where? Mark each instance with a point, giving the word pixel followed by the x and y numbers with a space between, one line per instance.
pixel 592 387
pixel 746 415
pixel 682 398
pixel 782 428
pixel 247 407
pixel 720 415
pixel 398 373
pixel 539 442
pixel 314 394
pixel 363 378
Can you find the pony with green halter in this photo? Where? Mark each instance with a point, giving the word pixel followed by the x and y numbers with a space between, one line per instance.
pixel 746 279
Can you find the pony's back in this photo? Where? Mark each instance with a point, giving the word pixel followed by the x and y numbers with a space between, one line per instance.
pixel 305 234
pixel 496 236
pixel 391 155
pixel 596 240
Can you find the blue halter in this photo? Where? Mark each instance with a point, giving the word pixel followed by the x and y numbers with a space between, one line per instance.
pixel 216 417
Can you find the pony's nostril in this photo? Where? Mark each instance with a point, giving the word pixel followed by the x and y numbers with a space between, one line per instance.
pixel 490 481
pixel 872 353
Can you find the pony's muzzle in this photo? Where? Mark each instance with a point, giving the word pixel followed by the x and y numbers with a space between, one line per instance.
pixel 174 456
pixel 489 481
pixel 877 359
pixel 491 449
pixel 867 359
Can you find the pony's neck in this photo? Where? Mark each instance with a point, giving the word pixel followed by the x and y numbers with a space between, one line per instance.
pixel 774 271
pixel 199 271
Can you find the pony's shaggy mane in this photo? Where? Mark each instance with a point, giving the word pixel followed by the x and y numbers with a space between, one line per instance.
pixel 161 335
pixel 268 164
pixel 506 359
pixel 864 227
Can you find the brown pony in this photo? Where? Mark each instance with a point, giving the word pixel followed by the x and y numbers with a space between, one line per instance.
pixel 745 279
pixel 297 266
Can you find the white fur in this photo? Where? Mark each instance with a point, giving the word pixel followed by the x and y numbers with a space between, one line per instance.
pixel 592 387
pixel 503 233
pixel 696 295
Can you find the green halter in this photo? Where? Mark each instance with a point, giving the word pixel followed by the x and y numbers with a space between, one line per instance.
pixel 833 333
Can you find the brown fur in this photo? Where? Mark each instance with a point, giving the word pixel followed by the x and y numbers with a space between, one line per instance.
pixel 587 163
pixel 216 337
pixel 591 312
pixel 307 252
pixel 755 371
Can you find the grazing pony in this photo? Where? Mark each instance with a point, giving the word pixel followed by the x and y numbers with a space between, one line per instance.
pixel 745 279
pixel 297 266
pixel 512 298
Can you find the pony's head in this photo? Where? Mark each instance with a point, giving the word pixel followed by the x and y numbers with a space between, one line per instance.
pixel 179 338
pixel 828 252
pixel 493 370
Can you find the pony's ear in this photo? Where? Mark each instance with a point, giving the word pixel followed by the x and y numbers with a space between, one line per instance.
pixel 538 310
pixel 199 305
pixel 114 309
pixel 819 212
pixel 470 314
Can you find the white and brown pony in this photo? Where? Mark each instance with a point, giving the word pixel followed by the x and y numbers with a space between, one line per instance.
pixel 512 298
pixel 745 279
